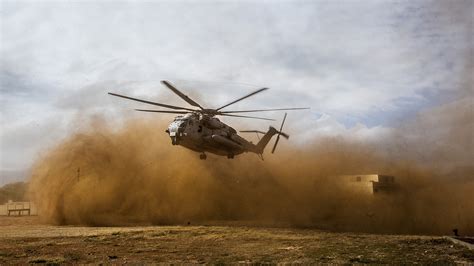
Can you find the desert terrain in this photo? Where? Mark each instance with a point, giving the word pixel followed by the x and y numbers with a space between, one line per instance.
pixel 26 240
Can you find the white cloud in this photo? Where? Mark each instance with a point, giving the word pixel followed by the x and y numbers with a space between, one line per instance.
pixel 355 61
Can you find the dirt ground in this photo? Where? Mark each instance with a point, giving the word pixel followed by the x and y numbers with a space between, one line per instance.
pixel 25 240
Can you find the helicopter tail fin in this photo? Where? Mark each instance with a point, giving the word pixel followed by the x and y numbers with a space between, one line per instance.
pixel 265 139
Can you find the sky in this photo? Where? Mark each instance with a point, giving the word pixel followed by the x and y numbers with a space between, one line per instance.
pixel 363 67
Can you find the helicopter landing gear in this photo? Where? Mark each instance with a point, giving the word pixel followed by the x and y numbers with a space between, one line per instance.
pixel 202 156
pixel 230 156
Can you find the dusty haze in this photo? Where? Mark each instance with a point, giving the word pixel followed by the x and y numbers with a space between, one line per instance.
pixel 133 174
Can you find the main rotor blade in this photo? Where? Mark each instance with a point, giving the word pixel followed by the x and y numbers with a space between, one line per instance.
pixel 252 131
pixel 162 111
pixel 240 99
pixel 262 118
pixel 180 94
pixel 154 103
pixel 264 110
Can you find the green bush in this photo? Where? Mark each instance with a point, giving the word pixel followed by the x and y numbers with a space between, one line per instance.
pixel 14 191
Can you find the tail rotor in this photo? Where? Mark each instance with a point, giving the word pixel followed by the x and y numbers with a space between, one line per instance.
pixel 280 133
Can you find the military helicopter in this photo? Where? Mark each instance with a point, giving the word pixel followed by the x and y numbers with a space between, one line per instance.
pixel 199 130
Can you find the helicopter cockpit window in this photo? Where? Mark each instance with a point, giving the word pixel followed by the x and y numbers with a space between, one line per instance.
pixel 183 122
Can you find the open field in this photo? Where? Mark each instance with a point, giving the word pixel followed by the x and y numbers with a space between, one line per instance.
pixel 24 240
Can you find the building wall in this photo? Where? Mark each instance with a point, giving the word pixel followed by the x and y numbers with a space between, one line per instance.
pixel 4 208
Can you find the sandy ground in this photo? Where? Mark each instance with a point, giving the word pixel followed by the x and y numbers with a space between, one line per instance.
pixel 25 240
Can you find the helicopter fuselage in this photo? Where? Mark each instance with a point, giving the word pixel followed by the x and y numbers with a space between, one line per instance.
pixel 203 133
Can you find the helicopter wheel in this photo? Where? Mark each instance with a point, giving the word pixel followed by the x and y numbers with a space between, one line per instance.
pixel 202 156
pixel 230 156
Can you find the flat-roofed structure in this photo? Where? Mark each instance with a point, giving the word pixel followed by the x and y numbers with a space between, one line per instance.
pixel 372 183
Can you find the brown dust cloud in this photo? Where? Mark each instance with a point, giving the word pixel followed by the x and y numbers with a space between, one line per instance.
pixel 131 175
